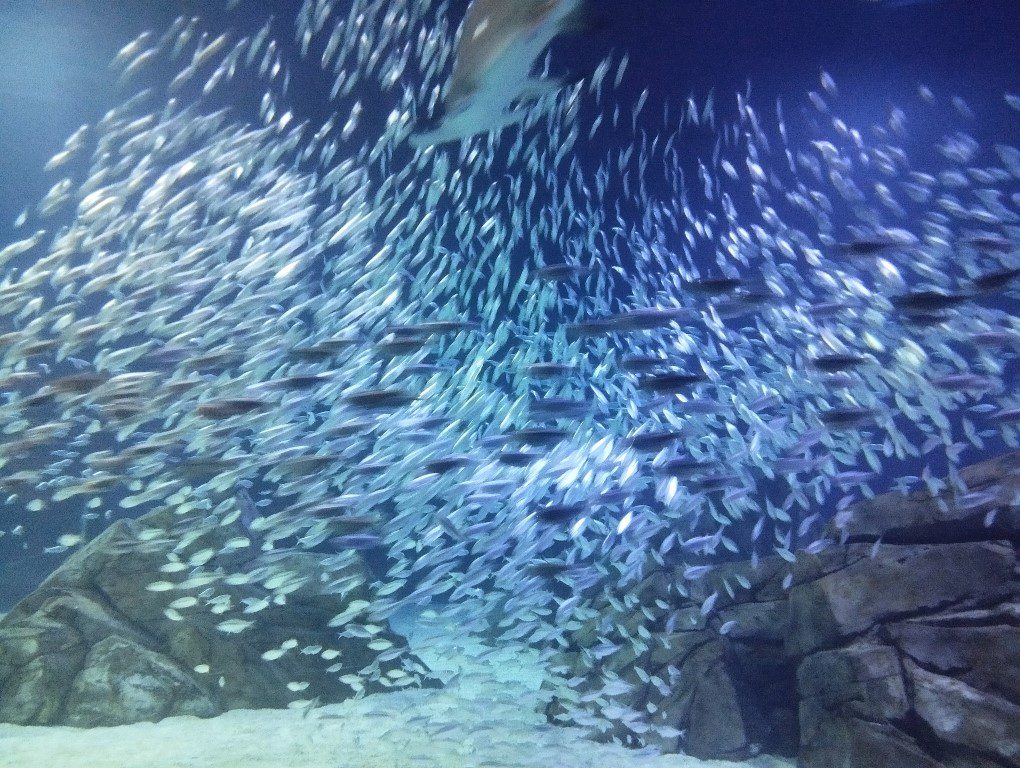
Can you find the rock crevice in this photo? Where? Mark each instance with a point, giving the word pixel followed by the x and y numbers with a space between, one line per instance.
pixel 901 655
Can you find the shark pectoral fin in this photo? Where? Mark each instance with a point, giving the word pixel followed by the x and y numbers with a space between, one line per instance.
pixel 423 139
pixel 460 92
pixel 425 134
pixel 464 125
pixel 511 118
pixel 538 87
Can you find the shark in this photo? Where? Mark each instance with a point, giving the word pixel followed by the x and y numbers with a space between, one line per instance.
pixel 500 42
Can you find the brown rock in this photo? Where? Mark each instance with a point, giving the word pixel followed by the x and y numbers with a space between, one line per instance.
pixel 977 647
pixel 717 726
pixel 833 648
pixel 918 518
pixel 123 682
pixel 900 581
pixel 965 716
pixel 862 680
pixel 93 646
pixel 841 742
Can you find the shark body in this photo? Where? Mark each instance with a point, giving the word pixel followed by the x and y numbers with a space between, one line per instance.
pixel 500 43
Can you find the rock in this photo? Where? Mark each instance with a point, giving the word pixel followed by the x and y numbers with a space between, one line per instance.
pixel 92 646
pixel 849 699
pixel 966 716
pixel 677 648
pixel 33 693
pixel 124 682
pixel 761 623
pixel 898 582
pixel 837 741
pixel 977 647
pixel 717 725
pixel 901 657
pixel 920 519
pixel 766 580
pixel 863 679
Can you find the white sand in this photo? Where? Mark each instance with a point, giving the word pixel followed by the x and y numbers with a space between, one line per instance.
pixel 484 718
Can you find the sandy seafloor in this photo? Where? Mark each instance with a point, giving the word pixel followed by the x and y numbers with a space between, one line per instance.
pixel 484 717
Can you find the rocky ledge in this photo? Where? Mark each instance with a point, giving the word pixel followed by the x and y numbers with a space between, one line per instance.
pixel 94 647
pixel 896 648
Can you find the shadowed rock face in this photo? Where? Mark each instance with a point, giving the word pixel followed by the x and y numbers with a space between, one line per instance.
pixel 900 655
pixel 93 647
pixel 919 519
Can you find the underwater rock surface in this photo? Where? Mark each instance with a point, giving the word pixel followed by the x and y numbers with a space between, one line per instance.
pixel 486 716
pixel 896 648
pixel 94 647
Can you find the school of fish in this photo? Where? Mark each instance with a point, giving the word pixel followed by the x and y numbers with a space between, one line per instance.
pixel 516 378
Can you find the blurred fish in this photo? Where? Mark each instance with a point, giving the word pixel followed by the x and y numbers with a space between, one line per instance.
pixel 497 49
pixel 517 378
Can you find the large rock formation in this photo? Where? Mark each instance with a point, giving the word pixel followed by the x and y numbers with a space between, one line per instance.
pixel 895 648
pixel 93 646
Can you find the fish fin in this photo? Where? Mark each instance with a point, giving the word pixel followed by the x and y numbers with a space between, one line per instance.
pixel 513 117
pixel 460 91
pixel 537 87
pixel 440 135
pixel 427 127
pixel 424 139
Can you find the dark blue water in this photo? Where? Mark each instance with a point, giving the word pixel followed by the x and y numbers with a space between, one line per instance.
pixel 55 76
pixel 54 57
